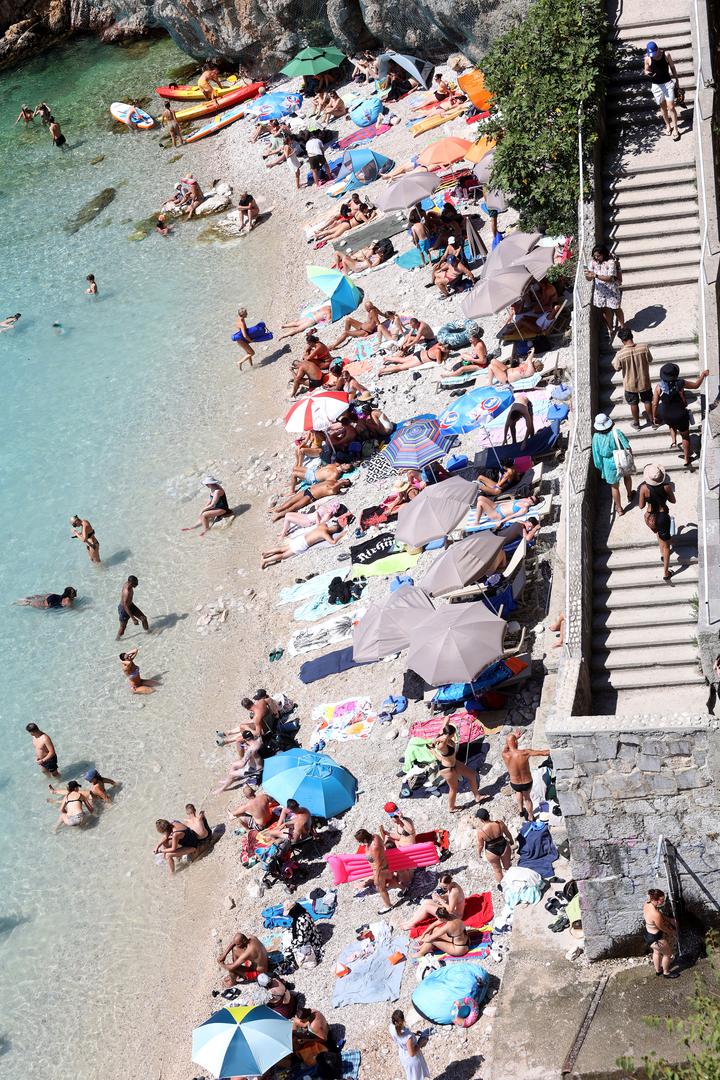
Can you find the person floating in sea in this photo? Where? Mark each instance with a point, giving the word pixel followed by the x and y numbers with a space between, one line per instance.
pixel 128 610
pixel 50 600
pixel 92 289
pixel 57 136
pixel 44 747
pixel 9 322
pixel 132 673
pixel 169 120
pixel 44 112
pixel 216 508
pixel 26 114
pixel 83 530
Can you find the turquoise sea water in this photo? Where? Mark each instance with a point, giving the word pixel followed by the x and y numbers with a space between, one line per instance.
pixel 99 421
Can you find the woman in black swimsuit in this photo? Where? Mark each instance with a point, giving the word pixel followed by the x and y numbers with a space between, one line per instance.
pixel 50 600
pixel 83 530
pixel 449 934
pixel 659 933
pixel 495 842
pixel 216 508
pixel 178 840
pixel 444 748
pixel 669 405
pixel 654 494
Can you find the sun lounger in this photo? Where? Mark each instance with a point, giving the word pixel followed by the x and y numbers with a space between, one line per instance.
pixel 528 482
pixel 517 335
pixel 477 588
pixel 470 525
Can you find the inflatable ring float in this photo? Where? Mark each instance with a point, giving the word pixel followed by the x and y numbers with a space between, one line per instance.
pixel 465 1012
pixel 457 335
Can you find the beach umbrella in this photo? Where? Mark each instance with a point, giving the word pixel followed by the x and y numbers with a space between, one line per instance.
pixel 436 511
pixel 312 61
pixel 494 293
pixel 386 626
pixel 495 200
pixel 416 445
pixel 242 1040
pixel 407 190
pixel 455 643
pixel 537 262
pixel 482 170
pixel 316 411
pixel 444 151
pixel 476 408
pixel 419 70
pixel 273 106
pixel 504 255
pixel 316 781
pixel 472 83
pixel 461 564
pixel 343 294
pixel 479 149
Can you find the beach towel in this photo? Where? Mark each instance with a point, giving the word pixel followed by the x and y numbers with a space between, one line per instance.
pixel 336 628
pixel 355 866
pixel 331 663
pixel 350 1067
pixel 480 951
pixel 391 564
pixel 362 135
pixel 372 978
pixel 436 120
pixel 273 916
pixel 306 589
pixel 469 729
pixel 369 551
pixel 411 260
pixel 359 367
pixel 537 848
pixel 418 753
pixel 341 721
pixel 497 673
pixel 470 525
pixel 478 913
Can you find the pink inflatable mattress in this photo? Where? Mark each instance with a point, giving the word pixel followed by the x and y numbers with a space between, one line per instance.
pixel 356 867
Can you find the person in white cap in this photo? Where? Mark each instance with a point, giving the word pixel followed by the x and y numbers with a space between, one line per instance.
pixel 605 441
pixel 654 494
pixel 216 507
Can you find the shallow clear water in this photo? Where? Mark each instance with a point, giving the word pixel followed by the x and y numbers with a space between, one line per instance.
pixel 104 420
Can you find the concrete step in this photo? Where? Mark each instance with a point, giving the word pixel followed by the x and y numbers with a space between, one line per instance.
pixel 689 369
pixel 651 678
pixel 616 108
pixel 640 638
pixel 623 578
pixel 678 354
pixel 630 58
pixel 663 260
pixel 678 275
pixel 632 86
pixel 651 196
pixel 649 245
pixel 640 554
pixel 671 21
pixel 657 596
pixel 612 397
pixel 649 181
pixel 664 34
pixel 637 228
pixel 678 615
pixel 660 213
pixel 619 411
pixel 660 655
pixel 633 73
pixel 667 347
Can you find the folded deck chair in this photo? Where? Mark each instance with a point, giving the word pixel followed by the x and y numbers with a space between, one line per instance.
pixel 515 334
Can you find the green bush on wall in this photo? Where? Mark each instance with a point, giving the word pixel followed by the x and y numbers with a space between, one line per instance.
pixel 541 73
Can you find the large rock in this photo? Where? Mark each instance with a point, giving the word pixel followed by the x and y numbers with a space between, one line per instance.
pixel 263 34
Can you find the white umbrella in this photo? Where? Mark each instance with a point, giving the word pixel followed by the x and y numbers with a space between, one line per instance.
pixel 537 262
pixel 317 411
pixel 407 190
pixel 482 170
pixel 420 70
pixel 455 643
pixel 495 293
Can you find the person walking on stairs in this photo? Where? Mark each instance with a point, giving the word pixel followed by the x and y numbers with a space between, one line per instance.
pixel 604 270
pixel 660 69
pixel 670 405
pixel 654 494
pixel 634 363
pixel 605 442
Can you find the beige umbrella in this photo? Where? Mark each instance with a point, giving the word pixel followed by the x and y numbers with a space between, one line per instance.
pixel 537 262
pixel 455 643
pixel 494 293
pixel 482 170
pixel 496 200
pixel 462 563
pixel 435 511
pixel 386 626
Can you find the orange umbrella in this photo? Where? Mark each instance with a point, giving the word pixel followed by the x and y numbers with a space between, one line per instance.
pixel 444 152
pixel 479 149
pixel 473 84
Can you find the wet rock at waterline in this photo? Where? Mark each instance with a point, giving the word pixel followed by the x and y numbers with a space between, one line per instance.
pixel 91 210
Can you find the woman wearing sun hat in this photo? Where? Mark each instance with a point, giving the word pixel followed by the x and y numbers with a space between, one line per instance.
pixel 605 441
pixel 654 494
pixel 669 405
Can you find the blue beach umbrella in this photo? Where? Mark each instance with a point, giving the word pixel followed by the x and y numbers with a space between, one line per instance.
pixel 273 106
pixel 476 408
pixel 242 1040
pixel 416 445
pixel 316 781
pixel 344 296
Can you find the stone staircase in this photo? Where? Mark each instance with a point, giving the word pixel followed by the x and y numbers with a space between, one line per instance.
pixel 644 657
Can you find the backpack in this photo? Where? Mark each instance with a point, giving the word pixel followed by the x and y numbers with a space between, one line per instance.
pixel 384 248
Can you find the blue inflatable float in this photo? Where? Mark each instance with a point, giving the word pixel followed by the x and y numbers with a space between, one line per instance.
pixel 259 332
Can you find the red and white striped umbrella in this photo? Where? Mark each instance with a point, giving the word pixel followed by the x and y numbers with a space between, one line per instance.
pixel 317 411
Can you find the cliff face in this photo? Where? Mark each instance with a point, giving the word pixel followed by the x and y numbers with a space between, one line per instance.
pixel 262 34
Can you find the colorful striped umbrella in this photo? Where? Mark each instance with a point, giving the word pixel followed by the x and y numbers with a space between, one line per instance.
pixel 316 411
pixel 242 1040
pixel 416 445
pixel 343 294
pixel 475 408
pixel 316 781
pixel 313 61
pixel 444 152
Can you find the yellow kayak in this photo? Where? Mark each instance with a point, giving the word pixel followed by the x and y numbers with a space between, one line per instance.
pixel 194 93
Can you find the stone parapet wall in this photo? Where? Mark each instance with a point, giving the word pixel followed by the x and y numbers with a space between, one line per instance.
pixel 623 782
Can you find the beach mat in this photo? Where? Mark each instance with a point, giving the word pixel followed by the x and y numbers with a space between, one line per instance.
pixel 478 913
pixel 342 721
pixel 330 664
pixel 382 227
pixel 362 135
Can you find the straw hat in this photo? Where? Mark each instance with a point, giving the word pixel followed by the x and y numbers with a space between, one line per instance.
pixel 602 422
pixel 402 483
pixel 654 475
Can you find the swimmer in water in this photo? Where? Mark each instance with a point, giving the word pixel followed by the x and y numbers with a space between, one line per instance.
pixel 75 806
pixel 9 322
pixel 132 673
pixel 128 609
pixel 92 289
pixel 58 328
pixel 45 753
pixel 26 114
pixel 83 530
pixel 57 136
pixel 162 226
pixel 50 600
pixel 43 111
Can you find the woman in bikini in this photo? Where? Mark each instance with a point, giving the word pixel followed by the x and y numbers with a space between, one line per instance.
pixel 354 328
pixel 308 495
pixel 660 931
pixel 300 542
pixel 83 530
pixel 444 749
pixel 178 840
pixel 494 842
pixel 449 934
pixel 504 511
pixel 74 807
pixel 315 472
pixel 132 673
pixel 448 894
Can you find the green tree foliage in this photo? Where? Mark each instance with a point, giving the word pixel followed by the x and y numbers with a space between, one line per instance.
pixel 544 74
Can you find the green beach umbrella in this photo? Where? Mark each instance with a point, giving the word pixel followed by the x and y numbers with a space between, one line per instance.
pixel 313 61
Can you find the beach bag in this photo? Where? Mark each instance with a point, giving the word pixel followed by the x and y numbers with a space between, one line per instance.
pixel 622 459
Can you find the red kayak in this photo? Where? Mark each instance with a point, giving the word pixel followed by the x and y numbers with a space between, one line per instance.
pixel 199 109
pixel 194 93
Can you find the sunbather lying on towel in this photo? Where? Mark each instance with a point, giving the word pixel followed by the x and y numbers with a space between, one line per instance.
pixel 500 372
pixel 316 316
pixel 437 353
pixel 356 328
pixel 298 544
pixel 319 516
pixel 363 259
pixel 449 934
pixel 310 495
pixel 505 510
pixel 312 472
pixel 448 894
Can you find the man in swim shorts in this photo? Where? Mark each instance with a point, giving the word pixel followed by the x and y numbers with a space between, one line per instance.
pixel 518 766
pixel 128 610
pixel 45 754
pixel 255 812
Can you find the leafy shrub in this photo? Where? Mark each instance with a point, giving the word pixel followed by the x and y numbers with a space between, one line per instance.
pixel 544 74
